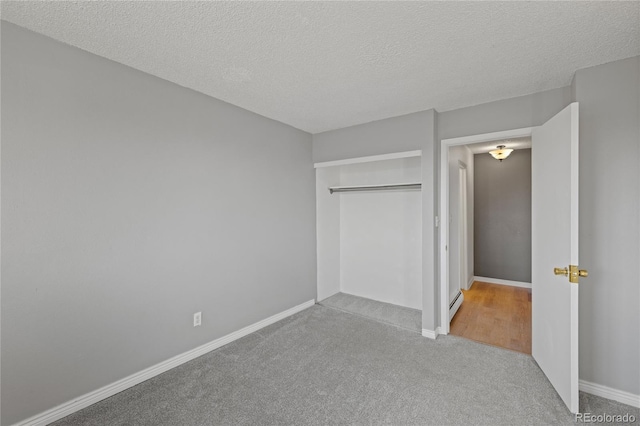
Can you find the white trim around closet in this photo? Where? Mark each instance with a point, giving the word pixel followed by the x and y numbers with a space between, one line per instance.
pixel 356 160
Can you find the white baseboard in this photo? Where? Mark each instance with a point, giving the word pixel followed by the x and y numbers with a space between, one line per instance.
pixel 431 334
pixel 502 282
pixel 470 283
pixel 610 393
pixel 83 401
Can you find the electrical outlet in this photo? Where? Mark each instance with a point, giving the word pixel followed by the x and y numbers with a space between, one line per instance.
pixel 197 319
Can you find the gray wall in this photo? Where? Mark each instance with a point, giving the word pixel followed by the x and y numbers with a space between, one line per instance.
pixel 609 97
pixel 116 228
pixel 128 204
pixel 506 114
pixel 502 239
pixel 397 134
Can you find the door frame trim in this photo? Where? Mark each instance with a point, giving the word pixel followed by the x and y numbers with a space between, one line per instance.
pixel 445 144
pixel 463 228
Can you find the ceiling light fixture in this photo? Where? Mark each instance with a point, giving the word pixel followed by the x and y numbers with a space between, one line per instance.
pixel 501 153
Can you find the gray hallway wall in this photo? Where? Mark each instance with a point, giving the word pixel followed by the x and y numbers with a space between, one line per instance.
pixel 502 220
pixel 128 204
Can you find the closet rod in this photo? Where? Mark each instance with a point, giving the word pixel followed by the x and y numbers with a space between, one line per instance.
pixel 333 189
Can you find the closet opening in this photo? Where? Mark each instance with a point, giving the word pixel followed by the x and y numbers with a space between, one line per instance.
pixel 486 264
pixel 369 237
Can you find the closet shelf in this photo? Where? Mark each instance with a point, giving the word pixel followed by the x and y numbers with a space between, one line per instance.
pixel 383 187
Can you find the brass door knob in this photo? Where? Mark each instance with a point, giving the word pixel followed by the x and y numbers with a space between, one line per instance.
pixel 561 271
pixel 572 272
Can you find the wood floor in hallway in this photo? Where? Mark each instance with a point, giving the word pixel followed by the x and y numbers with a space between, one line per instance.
pixel 498 315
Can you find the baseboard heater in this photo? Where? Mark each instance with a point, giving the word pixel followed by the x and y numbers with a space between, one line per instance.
pixel 455 304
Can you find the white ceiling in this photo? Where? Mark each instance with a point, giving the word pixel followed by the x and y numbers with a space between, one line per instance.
pixel 325 65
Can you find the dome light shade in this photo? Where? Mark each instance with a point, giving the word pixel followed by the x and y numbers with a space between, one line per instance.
pixel 501 153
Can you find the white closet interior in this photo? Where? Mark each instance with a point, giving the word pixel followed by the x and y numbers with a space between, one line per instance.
pixel 369 229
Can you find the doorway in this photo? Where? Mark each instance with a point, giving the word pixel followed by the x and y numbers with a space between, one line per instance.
pixel 554 232
pixel 495 311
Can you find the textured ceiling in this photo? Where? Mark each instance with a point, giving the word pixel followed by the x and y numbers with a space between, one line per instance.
pixel 325 65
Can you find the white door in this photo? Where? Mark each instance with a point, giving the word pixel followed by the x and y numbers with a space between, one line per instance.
pixel 554 192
